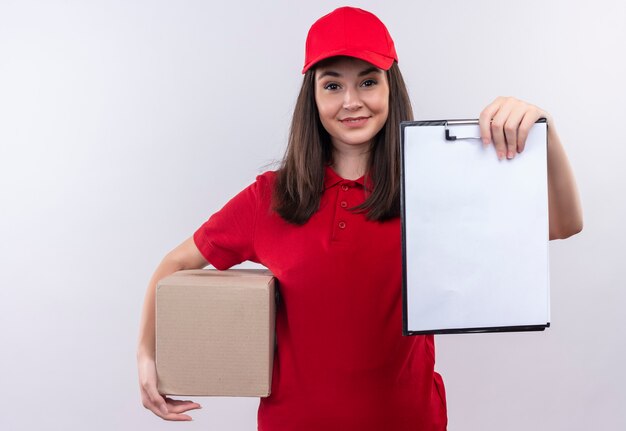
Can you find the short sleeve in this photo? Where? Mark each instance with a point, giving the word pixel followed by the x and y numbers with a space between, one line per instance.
pixel 227 237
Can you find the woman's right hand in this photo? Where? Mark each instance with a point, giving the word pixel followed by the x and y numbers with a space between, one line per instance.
pixel 166 408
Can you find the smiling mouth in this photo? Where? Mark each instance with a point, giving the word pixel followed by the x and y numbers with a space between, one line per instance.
pixel 354 120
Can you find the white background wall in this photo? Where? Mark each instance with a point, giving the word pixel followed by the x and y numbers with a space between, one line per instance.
pixel 125 124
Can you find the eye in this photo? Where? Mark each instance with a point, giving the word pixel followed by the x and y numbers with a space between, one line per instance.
pixel 369 82
pixel 331 86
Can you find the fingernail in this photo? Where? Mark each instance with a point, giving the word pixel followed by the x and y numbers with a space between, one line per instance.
pixel 511 154
pixel 500 155
pixel 485 142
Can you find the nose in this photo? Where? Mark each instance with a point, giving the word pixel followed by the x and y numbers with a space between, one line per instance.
pixel 351 100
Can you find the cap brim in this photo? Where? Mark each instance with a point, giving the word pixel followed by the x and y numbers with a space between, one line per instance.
pixel 381 61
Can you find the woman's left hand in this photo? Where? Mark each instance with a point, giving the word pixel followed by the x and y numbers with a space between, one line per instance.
pixel 505 122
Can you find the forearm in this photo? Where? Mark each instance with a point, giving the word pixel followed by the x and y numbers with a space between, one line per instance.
pixel 146 344
pixel 563 198
pixel 185 256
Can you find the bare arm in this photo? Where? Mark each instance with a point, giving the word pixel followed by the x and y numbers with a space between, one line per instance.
pixel 505 123
pixel 185 256
pixel 566 216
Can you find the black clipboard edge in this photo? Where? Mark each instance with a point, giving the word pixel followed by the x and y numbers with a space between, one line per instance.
pixel 405 323
pixel 522 328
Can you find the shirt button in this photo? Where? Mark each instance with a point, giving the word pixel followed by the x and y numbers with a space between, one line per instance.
pixel 344 188
pixel 344 204
pixel 342 225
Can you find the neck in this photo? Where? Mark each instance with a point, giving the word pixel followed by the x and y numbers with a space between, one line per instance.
pixel 350 165
pixel 350 162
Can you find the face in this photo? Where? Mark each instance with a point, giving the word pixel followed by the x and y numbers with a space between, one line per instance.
pixel 352 98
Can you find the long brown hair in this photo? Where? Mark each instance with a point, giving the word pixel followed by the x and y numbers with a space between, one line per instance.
pixel 300 180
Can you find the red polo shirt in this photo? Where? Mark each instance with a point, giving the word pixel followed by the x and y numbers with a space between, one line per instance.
pixel 341 361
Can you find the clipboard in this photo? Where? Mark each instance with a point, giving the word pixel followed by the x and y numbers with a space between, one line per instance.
pixel 474 231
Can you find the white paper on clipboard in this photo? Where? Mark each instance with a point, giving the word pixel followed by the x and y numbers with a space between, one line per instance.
pixel 475 231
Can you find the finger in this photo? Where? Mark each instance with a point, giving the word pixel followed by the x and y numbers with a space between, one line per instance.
pixel 179 402
pixel 184 408
pixel 530 117
pixel 166 412
pixel 484 120
pixel 177 417
pixel 497 131
pixel 169 400
pixel 511 130
pixel 179 406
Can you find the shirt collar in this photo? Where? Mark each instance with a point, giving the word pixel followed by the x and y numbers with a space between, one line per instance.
pixel 331 178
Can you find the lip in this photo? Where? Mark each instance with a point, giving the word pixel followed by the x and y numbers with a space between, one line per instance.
pixel 354 121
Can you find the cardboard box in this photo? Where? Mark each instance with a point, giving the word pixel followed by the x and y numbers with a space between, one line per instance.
pixel 215 333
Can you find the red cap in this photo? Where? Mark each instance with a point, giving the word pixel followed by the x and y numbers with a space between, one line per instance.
pixel 351 32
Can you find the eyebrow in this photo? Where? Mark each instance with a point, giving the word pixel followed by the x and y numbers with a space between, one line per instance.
pixel 337 74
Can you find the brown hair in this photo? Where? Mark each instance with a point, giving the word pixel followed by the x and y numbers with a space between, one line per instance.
pixel 300 180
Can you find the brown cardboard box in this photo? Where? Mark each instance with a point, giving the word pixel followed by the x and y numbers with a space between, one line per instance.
pixel 215 333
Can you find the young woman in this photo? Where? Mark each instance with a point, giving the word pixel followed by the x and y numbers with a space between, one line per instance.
pixel 327 225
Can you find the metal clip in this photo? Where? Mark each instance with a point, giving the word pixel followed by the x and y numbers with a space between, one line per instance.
pixel 450 137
